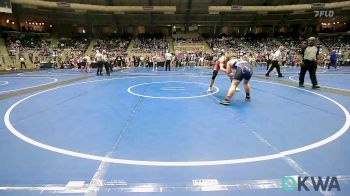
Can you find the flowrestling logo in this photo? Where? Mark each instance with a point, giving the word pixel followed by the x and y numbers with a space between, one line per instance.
pixel 330 183
pixel 324 13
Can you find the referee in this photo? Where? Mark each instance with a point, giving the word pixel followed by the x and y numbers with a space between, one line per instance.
pixel 98 59
pixel 105 62
pixel 168 58
pixel 310 56
pixel 276 60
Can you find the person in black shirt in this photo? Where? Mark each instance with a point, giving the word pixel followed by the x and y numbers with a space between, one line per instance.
pixel 119 61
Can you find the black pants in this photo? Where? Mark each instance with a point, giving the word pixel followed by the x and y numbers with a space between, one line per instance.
pixel 333 64
pixel 310 66
pixel 167 65
pixel 119 63
pixel 268 64
pixel 99 68
pixel 23 64
pixel 107 68
pixel 274 65
pixel 111 65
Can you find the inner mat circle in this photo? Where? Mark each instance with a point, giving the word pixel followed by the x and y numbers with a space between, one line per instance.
pixel 171 90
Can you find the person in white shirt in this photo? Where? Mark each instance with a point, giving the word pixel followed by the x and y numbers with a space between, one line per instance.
pixel 23 63
pixel 155 62
pixel 201 61
pixel 81 62
pixel 105 62
pixel 142 61
pixel 276 61
pixel 87 62
pixel 127 61
pixel 168 58
pixel 98 59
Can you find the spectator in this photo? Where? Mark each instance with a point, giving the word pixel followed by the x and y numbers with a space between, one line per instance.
pixel 333 60
pixel 23 63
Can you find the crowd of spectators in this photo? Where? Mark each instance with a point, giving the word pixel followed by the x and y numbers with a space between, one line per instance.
pixel 69 51
pixel 292 42
pixel 259 42
pixel 258 48
pixel 186 41
pixel 340 44
pixel 179 59
pixel 32 47
pixel 113 45
pixel 226 43
pixel 77 43
pixel 21 42
pixel 150 49
pixel 150 43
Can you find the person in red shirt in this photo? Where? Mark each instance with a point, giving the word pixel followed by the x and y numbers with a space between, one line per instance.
pixel 258 58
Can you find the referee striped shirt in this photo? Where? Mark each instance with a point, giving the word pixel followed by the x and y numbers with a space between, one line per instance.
pixel 311 53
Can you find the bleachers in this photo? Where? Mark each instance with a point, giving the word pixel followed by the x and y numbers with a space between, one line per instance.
pixel 259 42
pixel 291 42
pixel 77 43
pixel 340 43
pixel 226 43
pixel 34 47
pixel 150 44
pixel 113 45
pixel 40 48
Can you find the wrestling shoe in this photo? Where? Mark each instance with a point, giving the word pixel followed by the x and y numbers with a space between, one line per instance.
pixel 225 102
